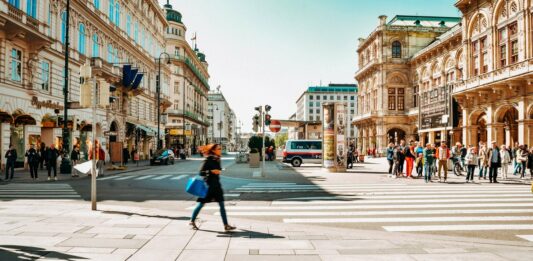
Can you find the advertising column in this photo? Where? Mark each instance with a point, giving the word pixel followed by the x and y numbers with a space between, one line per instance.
pixel 328 143
pixel 334 138
pixel 340 137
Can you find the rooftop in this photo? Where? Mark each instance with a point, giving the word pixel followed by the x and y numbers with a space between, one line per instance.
pixel 334 87
pixel 425 21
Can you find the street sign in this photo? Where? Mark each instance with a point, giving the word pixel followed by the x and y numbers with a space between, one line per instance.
pixel 275 126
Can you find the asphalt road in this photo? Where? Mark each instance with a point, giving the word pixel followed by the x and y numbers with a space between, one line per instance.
pixel 491 211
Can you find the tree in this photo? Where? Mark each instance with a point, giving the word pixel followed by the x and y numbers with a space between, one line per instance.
pixel 255 143
pixel 281 139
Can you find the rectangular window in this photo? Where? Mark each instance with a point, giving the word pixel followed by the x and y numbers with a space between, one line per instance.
pixel 317 110
pixel 514 51
pixel 45 75
pixel 345 98
pixel 331 97
pixel 310 118
pixel 15 3
pixel 318 97
pixel 177 51
pixel 392 102
pixel 310 110
pixel 325 97
pixel 400 102
pixel 16 65
pixel 317 104
pixel 31 8
pixel 311 104
pixel 415 96
pixel 352 98
pixel 310 97
pixel 503 55
pixel 128 25
pixel 318 118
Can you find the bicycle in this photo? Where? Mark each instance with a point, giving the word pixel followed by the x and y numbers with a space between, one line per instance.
pixel 457 167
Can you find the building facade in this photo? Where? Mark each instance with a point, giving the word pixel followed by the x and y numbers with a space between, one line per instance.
pixel 470 83
pixel 387 111
pixel 108 34
pixel 187 118
pixel 309 108
pixel 222 129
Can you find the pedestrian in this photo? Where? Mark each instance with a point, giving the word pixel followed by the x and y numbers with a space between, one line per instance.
pixel 396 157
pixel 401 156
pixel 125 156
pixel 471 163
pixel 518 160
pixel 495 162
pixel 11 159
pixel 33 161
pixel 429 158
pixel 75 158
pixel 443 154
pixel 483 161
pixel 350 159
pixel 506 159
pixel 390 153
pixel 42 153
pixel 211 170
pixel 455 155
pixel 513 156
pixel 52 154
pixel 463 151
pixel 100 158
pixel 522 158
pixel 419 162
pixel 410 159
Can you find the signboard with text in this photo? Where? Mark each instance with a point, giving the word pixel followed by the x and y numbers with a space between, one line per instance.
pixel 433 105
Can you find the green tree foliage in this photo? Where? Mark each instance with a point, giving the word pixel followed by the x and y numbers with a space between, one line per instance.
pixel 281 139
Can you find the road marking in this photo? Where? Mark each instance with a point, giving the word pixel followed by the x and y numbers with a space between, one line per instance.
pixel 339 200
pixel 41 196
pixel 374 190
pixel 458 227
pixel 179 177
pixel 161 177
pixel 396 200
pixel 413 194
pixel 144 177
pixel 362 206
pixel 41 191
pixel 232 195
pixel 323 186
pixel 526 237
pixel 110 177
pixel 125 177
pixel 382 213
pixel 408 220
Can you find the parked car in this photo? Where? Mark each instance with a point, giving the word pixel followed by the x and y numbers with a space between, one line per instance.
pixel 298 151
pixel 164 156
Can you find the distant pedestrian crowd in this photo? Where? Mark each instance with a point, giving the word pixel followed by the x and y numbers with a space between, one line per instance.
pixel 431 161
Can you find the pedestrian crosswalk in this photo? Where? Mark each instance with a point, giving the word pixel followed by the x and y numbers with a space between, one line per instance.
pixel 38 191
pixel 397 207
pixel 146 177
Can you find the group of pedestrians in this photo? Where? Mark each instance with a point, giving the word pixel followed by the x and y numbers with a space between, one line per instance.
pixel 47 157
pixel 431 161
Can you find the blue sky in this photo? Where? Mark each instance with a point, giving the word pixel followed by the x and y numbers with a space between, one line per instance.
pixel 270 51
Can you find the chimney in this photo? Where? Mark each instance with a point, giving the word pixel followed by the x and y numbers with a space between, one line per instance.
pixel 382 19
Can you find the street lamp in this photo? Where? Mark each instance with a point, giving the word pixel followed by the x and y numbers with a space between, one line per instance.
pixel 66 167
pixel 213 122
pixel 158 90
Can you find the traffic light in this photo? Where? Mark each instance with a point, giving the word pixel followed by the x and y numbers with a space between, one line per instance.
pixel 267 119
pixel 267 108
pixel 112 98
pixel 256 123
pixel 86 89
pixel 105 93
pixel 258 108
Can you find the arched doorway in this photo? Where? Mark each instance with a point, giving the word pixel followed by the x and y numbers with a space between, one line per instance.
pixel 509 118
pixel 20 138
pixel 481 123
pixel 113 129
pixel 395 135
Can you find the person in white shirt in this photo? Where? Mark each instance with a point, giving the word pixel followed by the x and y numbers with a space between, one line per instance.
pixel 506 160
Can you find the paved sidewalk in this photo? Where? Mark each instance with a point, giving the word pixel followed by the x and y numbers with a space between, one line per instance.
pixel 68 230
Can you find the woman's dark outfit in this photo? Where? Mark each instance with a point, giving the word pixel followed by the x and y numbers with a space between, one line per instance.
pixel 214 192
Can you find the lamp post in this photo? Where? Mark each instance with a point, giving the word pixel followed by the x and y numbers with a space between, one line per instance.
pixel 158 90
pixel 66 167
pixel 213 123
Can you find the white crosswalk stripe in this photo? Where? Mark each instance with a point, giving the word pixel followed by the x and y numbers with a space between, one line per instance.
pixel 417 207
pixel 179 177
pixel 161 177
pixel 38 191
pixel 145 177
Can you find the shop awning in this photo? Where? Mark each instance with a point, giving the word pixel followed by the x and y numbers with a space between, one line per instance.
pixel 148 130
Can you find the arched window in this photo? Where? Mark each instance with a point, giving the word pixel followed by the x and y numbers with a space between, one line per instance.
pixel 111 10
pixel 96 46
pixel 31 8
pixel 396 49
pixel 117 14
pixel 81 39
pixel 63 26
pixel 97 4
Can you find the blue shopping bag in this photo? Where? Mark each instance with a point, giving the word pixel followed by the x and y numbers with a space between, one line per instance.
pixel 197 187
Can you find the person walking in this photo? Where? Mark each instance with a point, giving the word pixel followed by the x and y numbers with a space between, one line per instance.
pixel 75 157
pixel 506 160
pixel 11 159
pixel 410 159
pixel 419 163
pixel 429 158
pixel 471 161
pixel 33 161
pixel 100 158
pixel 522 158
pixel 349 162
pixel 443 154
pixel 211 171
pixel 390 152
pixel 51 161
pixel 483 161
pixel 401 157
pixel 125 156
pixel 518 160
pixel 495 162
pixel 514 153
pixel 42 153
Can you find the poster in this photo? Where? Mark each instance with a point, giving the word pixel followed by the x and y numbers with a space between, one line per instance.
pixel 329 135
pixel 340 141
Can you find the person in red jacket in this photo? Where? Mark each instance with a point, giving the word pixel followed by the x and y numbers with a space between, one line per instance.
pixel 442 155
pixel 100 158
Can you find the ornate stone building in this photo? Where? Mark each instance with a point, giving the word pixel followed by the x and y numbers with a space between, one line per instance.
pixel 386 110
pixel 108 34
pixel 189 88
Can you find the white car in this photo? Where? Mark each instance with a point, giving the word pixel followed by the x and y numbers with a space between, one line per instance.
pixel 298 151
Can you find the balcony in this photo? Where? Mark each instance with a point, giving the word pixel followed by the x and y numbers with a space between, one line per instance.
pixel 364 116
pixel 367 66
pixel 105 70
pixel 17 24
pixel 190 115
pixel 193 68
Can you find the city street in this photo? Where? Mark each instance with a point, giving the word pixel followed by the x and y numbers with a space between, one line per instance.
pixel 304 209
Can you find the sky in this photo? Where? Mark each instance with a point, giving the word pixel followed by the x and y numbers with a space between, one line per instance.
pixel 269 51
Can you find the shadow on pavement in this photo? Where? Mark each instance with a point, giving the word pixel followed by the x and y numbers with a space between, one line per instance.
pixel 144 215
pixel 243 233
pixel 13 252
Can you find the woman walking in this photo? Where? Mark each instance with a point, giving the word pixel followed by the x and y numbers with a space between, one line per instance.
pixel 410 159
pixel 506 159
pixel 211 171
pixel 471 162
